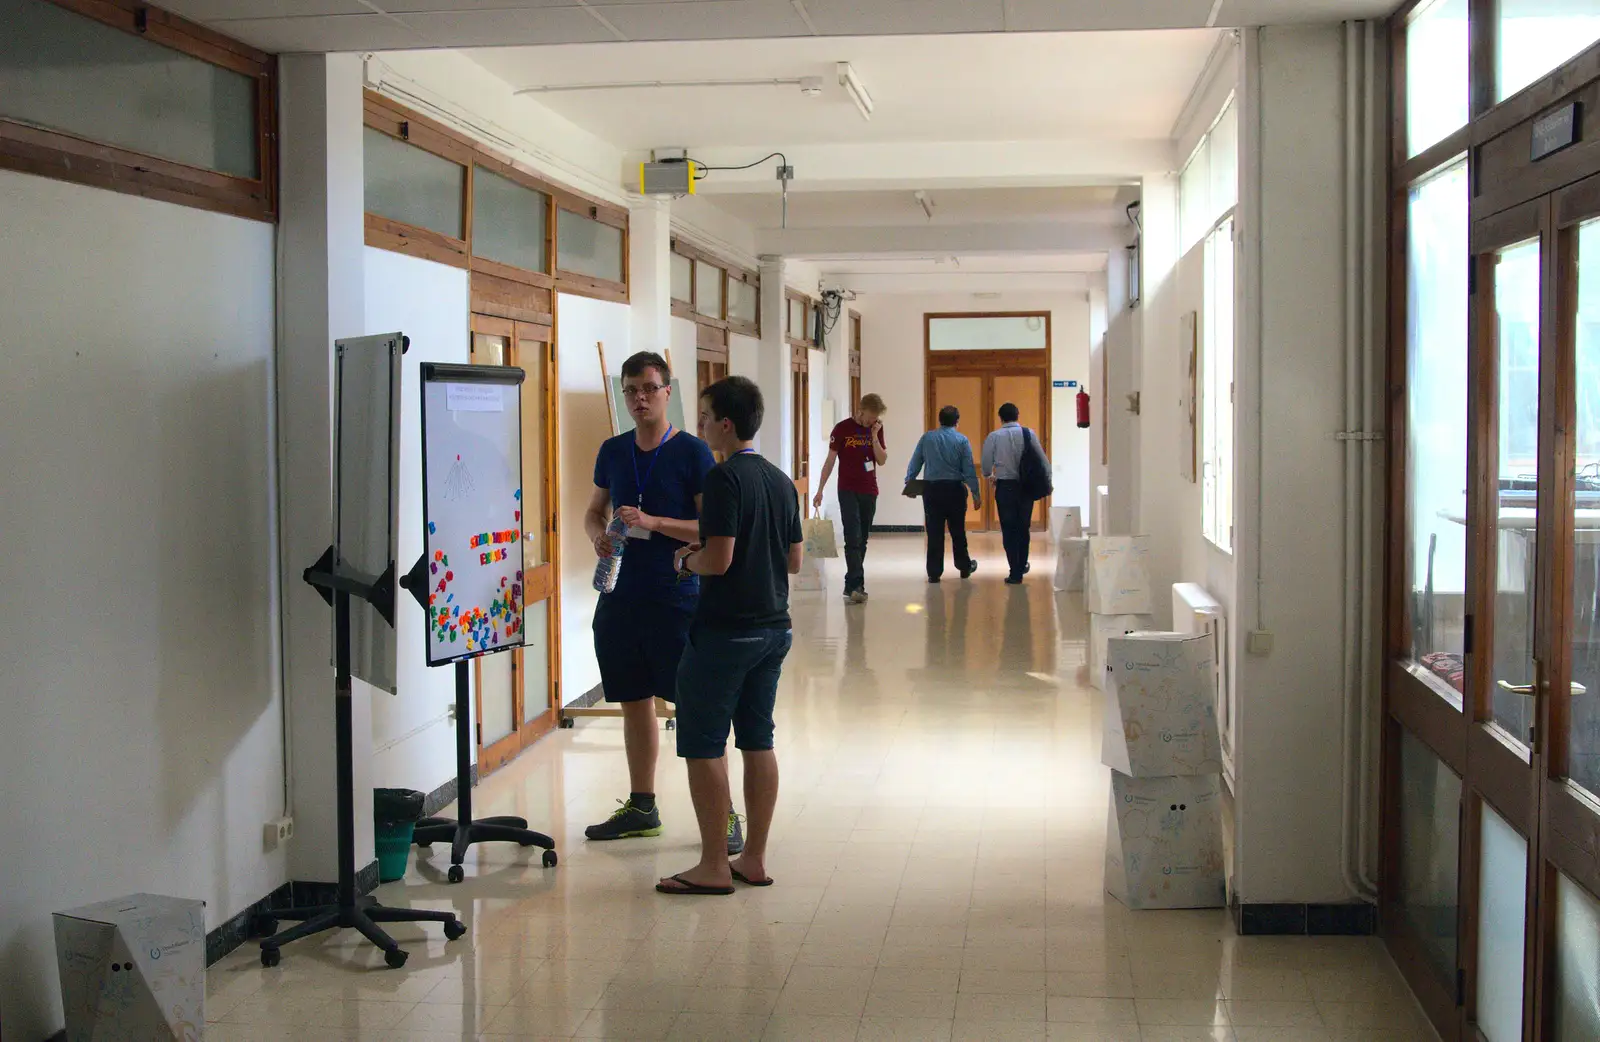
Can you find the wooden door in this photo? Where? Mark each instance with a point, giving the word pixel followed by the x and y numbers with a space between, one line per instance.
pixel 966 393
pixel 518 697
pixel 1029 393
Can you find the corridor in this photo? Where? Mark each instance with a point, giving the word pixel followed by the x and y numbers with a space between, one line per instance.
pixel 938 857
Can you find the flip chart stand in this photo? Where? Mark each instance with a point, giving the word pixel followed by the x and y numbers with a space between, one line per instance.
pixel 350 910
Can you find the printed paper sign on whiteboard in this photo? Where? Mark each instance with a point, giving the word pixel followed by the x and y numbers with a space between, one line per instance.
pixel 475 397
pixel 472 501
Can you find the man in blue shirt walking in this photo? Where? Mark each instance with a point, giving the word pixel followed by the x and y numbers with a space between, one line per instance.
pixel 944 456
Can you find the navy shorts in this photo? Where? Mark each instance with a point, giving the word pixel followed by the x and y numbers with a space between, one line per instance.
pixel 729 678
pixel 638 645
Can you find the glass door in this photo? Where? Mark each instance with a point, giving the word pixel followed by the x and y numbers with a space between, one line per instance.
pixel 517 700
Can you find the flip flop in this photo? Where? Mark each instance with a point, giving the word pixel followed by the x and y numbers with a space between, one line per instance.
pixel 688 889
pixel 747 881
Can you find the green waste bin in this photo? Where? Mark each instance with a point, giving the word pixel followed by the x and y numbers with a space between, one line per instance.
pixel 395 813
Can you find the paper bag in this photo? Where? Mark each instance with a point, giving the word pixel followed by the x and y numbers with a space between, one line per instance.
pixel 821 541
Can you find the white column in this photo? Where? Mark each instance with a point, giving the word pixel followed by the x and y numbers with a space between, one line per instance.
pixel 772 369
pixel 322 300
pixel 650 279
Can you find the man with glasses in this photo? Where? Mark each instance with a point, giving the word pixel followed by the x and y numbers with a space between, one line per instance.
pixel 651 477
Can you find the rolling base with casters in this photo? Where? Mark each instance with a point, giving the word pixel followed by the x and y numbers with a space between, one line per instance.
pixel 349 911
pixel 462 833
pixel 364 916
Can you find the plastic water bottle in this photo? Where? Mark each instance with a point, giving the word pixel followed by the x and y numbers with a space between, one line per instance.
pixel 607 569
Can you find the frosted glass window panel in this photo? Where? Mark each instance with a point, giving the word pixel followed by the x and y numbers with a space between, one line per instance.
pixel 988 333
pixel 682 278
pixel 1577 983
pixel 508 221
pixel 1194 192
pixel 797 318
pixel 1502 920
pixel 1584 738
pixel 1430 833
pixel 585 246
pixel 1436 465
pixel 1516 299
pixel 742 301
pixel 1437 59
pixel 406 184
pixel 535 660
pixel 494 696
pixel 65 72
pixel 1224 162
pixel 708 289
pixel 1537 36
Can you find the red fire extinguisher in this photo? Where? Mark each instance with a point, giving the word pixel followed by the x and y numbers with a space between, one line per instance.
pixel 1083 408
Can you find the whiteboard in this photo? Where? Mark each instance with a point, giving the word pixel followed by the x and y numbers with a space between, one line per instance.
pixel 366 482
pixel 472 509
pixel 622 417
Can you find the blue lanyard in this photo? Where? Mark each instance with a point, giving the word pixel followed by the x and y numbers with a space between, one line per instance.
pixel 741 452
pixel 655 454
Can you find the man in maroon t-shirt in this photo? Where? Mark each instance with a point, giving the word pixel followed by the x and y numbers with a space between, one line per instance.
pixel 858 447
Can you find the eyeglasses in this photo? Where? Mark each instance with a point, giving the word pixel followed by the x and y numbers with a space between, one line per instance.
pixel 643 390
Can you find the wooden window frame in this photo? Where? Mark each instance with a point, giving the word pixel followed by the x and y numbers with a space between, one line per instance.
pixel 731 272
pixel 67 157
pixel 1509 196
pixel 501 296
pixel 810 319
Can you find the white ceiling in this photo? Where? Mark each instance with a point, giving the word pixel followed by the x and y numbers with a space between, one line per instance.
pixel 958 208
pixel 986 87
pixel 349 25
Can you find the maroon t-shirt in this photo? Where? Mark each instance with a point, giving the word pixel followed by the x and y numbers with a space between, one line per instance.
pixel 858 470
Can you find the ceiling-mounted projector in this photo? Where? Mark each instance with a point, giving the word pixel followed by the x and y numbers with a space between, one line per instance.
pixel 670 172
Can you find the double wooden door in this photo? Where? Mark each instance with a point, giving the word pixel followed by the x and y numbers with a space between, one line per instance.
pixel 1492 757
pixel 979 395
pixel 518 694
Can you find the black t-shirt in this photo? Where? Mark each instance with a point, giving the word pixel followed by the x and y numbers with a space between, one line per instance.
pixel 755 503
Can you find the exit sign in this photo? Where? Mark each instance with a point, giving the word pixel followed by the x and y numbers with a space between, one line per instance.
pixel 1063 383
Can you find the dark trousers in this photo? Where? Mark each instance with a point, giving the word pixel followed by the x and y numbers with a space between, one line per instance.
pixel 856 511
pixel 944 506
pixel 1011 502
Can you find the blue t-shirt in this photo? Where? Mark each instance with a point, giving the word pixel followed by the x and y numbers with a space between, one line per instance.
pixel 672 475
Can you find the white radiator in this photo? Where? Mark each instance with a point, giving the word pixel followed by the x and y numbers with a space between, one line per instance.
pixel 1196 611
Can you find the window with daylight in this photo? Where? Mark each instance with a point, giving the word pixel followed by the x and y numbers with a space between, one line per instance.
pixel 1208 189
pixel 1216 417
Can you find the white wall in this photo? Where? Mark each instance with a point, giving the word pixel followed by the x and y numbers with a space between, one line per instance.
pixel 413 738
pixel 580 323
pixel 142 747
pixel 1290 702
pixel 892 365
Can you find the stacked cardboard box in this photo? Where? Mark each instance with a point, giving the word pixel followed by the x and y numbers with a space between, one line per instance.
pixel 1117 594
pixel 1164 827
pixel 133 969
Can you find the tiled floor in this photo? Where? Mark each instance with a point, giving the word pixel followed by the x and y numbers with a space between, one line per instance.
pixel 938 859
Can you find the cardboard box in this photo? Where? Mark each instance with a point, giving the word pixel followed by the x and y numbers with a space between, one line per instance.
pixel 133 969
pixel 1066 523
pixel 1160 705
pixel 1101 629
pixel 1072 554
pixel 1164 842
pixel 1118 580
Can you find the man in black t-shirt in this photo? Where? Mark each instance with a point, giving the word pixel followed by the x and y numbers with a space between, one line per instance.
pixel 750 543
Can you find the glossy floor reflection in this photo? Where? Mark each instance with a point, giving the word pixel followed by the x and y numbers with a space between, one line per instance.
pixel 938 858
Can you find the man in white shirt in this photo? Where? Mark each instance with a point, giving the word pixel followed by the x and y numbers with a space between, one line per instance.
pixel 1002 463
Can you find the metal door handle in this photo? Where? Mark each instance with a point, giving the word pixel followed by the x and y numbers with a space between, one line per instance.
pixel 1516 689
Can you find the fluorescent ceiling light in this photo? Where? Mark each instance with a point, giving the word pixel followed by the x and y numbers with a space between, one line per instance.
pixel 810 86
pixel 856 89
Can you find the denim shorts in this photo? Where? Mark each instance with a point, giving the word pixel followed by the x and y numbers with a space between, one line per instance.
pixel 638 645
pixel 729 678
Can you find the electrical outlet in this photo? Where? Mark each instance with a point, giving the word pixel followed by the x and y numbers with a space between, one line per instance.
pixel 279 830
pixel 1259 642
pixel 450 712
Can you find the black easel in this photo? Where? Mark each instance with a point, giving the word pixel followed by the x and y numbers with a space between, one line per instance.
pixel 362 913
pixel 463 832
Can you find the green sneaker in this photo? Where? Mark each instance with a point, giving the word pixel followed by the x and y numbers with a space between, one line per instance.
pixel 628 822
pixel 735 834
